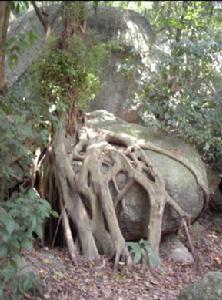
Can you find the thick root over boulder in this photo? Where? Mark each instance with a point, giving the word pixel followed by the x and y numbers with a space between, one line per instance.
pixel 82 180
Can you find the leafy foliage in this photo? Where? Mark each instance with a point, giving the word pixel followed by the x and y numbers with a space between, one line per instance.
pixel 22 212
pixel 19 137
pixel 143 250
pixel 184 91
pixel 76 70
pixel 18 7
pixel 19 219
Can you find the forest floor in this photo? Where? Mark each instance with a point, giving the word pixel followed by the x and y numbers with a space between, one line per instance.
pixel 87 281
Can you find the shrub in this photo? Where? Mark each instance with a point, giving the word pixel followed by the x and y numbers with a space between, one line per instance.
pixel 19 219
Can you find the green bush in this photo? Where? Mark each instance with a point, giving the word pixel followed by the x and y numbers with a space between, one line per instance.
pixel 77 70
pixel 19 219
pixel 184 90
pixel 184 95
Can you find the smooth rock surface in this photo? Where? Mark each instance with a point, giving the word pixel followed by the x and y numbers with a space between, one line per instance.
pixel 176 250
pixel 126 69
pixel 180 183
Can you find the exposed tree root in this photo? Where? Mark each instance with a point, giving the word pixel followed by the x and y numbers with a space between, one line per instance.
pixel 79 180
pixel 185 224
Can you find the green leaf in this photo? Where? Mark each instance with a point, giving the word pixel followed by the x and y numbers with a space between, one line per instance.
pixel 27 244
pixel 14 242
pixel 16 259
pixel 153 258
pixel 13 60
pixel 3 251
pixel 32 37
pixel 142 243
pixel 16 294
pixel 23 43
pixel 9 223
pixel 26 4
pixel 38 230
pixel 17 8
pixel 9 271
pixel 28 282
pixel 54 214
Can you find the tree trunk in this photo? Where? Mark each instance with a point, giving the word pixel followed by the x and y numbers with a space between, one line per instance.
pixel 4 21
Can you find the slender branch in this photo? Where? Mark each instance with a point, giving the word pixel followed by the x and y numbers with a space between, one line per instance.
pixel 68 235
pixel 42 20
pixel 57 227
pixel 193 251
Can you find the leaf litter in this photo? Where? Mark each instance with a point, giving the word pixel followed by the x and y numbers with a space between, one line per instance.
pixel 61 280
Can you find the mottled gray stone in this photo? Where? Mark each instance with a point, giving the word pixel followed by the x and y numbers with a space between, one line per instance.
pixel 125 70
pixel 180 183
pixel 208 288
pixel 176 250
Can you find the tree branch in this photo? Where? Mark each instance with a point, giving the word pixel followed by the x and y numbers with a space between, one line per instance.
pixel 42 19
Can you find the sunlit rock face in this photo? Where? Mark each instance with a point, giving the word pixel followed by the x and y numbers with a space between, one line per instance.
pixel 180 183
pixel 126 70
pixel 131 28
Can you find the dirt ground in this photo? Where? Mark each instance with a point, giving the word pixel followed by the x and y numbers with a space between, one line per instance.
pixel 63 281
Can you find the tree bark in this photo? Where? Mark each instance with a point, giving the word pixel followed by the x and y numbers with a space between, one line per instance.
pixel 42 19
pixel 4 21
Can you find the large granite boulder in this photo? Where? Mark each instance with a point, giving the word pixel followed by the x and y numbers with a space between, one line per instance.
pixel 180 183
pixel 208 288
pixel 126 69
